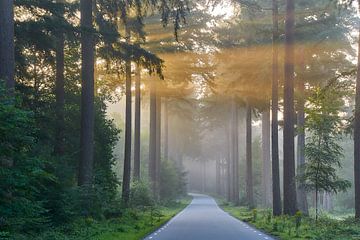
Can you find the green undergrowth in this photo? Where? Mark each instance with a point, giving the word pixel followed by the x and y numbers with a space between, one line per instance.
pixel 133 224
pixel 296 227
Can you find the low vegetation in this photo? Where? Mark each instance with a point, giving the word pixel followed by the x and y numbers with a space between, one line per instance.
pixel 296 227
pixel 132 224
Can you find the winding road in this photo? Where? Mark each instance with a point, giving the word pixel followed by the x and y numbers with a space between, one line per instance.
pixel 204 220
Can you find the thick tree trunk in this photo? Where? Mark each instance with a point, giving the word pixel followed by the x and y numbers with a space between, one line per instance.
pixel 87 95
pixel 59 146
pixel 266 179
pixel 7 57
pixel 235 154
pixel 289 156
pixel 249 168
pixel 301 193
pixel 357 138
pixel 128 116
pixel 274 113
pixel 137 132
pixel 152 138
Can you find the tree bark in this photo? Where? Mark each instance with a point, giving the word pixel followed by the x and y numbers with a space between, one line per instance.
pixel 158 139
pixel 87 95
pixel 152 138
pixel 228 164
pixel 137 132
pixel 249 168
pixel 274 113
pixel 357 137
pixel 7 55
pixel 301 193
pixel 266 179
pixel 218 176
pixel 166 129
pixel 59 146
pixel 289 156
pixel 128 119
pixel 235 154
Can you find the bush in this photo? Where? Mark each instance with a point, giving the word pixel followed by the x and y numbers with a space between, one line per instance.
pixel 172 182
pixel 141 195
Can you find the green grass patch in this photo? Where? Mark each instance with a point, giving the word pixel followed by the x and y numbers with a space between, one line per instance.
pixel 296 227
pixel 134 224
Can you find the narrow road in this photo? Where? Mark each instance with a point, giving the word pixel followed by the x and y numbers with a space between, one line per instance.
pixel 204 220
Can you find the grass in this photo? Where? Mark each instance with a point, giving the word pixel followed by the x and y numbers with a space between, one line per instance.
pixel 134 224
pixel 297 227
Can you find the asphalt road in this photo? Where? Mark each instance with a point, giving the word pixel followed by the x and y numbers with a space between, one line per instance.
pixel 204 220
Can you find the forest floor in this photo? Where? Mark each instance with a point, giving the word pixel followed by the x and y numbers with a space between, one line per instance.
pixel 134 224
pixel 298 227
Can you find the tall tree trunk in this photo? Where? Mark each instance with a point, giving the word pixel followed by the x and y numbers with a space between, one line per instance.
pixel 228 164
pixel 137 132
pixel 158 139
pixel 87 95
pixel 218 176
pixel 152 138
pixel 357 137
pixel 59 146
pixel 166 129
pixel 301 193
pixel 203 175
pixel 266 179
pixel 289 156
pixel 235 154
pixel 274 113
pixel 128 112
pixel 249 168
pixel 7 56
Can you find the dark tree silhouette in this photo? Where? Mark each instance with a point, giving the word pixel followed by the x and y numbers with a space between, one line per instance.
pixel 137 126
pixel 289 157
pixel 7 58
pixel 357 137
pixel 274 113
pixel 87 94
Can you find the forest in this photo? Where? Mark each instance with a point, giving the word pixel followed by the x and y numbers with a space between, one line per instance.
pixel 179 119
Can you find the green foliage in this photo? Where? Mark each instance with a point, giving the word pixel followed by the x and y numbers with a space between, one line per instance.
pixel 141 194
pixel 322 149
pixel 22 175
pixel 172 182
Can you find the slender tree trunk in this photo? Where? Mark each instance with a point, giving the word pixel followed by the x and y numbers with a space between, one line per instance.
pixel 152 138
pixel 203 180
pixel 218 176
pixel 301 193
pixel 289 157
pixel 158 139
pixel 7 56
pixel 316 204
pixel 59 146
pixel 249 168
pixel 166 129
pixel 137 133
pixel 228 164
pixel 235 155
pixel 357 138
pixel 128 120
pixel 266 179
pixel 274 113
pixel 87 95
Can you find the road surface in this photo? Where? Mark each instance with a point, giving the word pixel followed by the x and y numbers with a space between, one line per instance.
pixel 204 220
